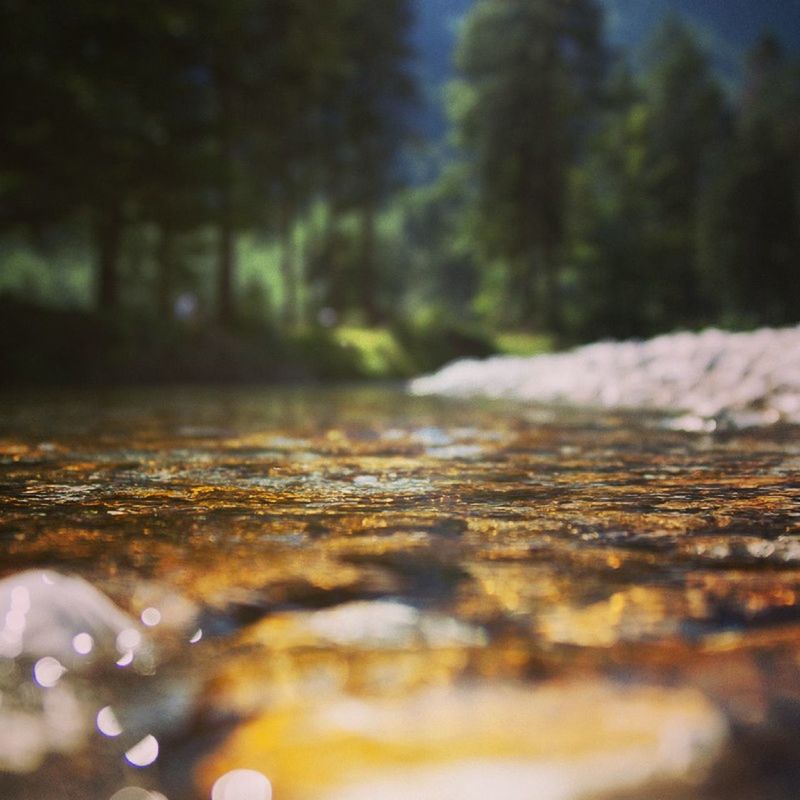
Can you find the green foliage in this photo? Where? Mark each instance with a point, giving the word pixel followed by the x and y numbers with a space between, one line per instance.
pixel 243 160
pixel 521 343
pixel 636 230
pixel 57 275
pixel 440 340
pixel 376 352
pixel 688 127
pixel 443 272
pixel 530 71
pixel 235 115
pixel 752 224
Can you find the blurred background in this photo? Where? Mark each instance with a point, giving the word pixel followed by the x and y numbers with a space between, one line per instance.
pixel 264 190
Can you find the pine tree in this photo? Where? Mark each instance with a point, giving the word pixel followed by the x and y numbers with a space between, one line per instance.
pixel 610 220
pixel 763 197
pixel 372 107
pixel 688 124
pixel 530 70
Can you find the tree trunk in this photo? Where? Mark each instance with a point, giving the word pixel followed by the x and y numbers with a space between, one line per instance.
pixel 331 272
pixel 552 288
pixel 288 275
pixel 108 245
pixel 523 290
pixel 367 288
pixel 166 268
pixel 226 234
pixel 325 273
pixel 305 286
pixel 226 265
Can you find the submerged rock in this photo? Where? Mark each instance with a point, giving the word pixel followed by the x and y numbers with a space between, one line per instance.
pixel 54 627
pixel 389 624
pixel 413 599
pixel 73 666
pixel 46 614
pixel 557 742
pixel 737 379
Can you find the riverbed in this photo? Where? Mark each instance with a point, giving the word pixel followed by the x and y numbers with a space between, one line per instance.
pixel 355 593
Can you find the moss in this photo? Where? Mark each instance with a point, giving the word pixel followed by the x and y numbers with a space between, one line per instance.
pixel 520 343
pixel 377 351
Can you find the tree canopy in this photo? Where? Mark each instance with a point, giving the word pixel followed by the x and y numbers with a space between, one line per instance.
pixel 255 163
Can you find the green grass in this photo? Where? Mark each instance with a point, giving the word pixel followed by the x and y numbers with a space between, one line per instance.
pixel 379 354
pixel 518 343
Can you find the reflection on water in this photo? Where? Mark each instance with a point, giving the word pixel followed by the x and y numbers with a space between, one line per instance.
pixel 242 784
pixel 335 595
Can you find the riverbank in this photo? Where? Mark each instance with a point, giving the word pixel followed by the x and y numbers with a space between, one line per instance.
pixel 56 347
pixel 713 377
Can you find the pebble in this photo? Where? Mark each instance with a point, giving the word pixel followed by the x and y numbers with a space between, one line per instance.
pixel 46 614
pixel 65 650
pixel 558 741
pixel 738 379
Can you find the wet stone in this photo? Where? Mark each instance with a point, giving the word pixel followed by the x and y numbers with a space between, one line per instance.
pixel 422 598
pixel 557 742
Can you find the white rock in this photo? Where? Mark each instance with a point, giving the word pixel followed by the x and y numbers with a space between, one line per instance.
pixel 60 643
pixel 562 742
pixel 390 624
pixel 42 613
pixel 744 378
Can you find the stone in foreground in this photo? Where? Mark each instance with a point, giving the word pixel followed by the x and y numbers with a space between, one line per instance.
pixel 561 741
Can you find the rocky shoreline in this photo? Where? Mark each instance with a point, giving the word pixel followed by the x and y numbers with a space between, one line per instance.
pixel 714 378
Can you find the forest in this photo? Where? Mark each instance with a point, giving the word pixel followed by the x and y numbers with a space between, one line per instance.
pixel 197 190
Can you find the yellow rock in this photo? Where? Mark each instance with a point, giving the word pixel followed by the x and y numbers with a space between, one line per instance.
pixel 558 741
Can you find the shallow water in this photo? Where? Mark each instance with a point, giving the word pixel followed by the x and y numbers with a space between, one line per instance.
pixel 358 556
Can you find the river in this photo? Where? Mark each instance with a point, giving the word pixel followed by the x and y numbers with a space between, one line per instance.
pixel 361 594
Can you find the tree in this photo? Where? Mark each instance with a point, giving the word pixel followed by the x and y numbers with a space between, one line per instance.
pixel 176 113
pixel 611 220
pixel 759 224
pixel 71 119
pixel 443 267
pixel 688 125
pixel 530 71
pixel 367 118
pixel 644 195
pixel 98 99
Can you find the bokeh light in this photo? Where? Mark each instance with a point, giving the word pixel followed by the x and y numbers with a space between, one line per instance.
pixel 107 722
pixel 144 753
pixel 128 640
pixel 126 659
pixel 83 644
pixel 136 793
pixel 242 784
pixel 47 671
pixel 151 617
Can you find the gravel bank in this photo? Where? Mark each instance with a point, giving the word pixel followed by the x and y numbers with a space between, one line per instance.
pixel 713 378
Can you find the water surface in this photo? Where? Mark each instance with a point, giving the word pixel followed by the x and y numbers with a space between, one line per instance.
pixel 306 549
